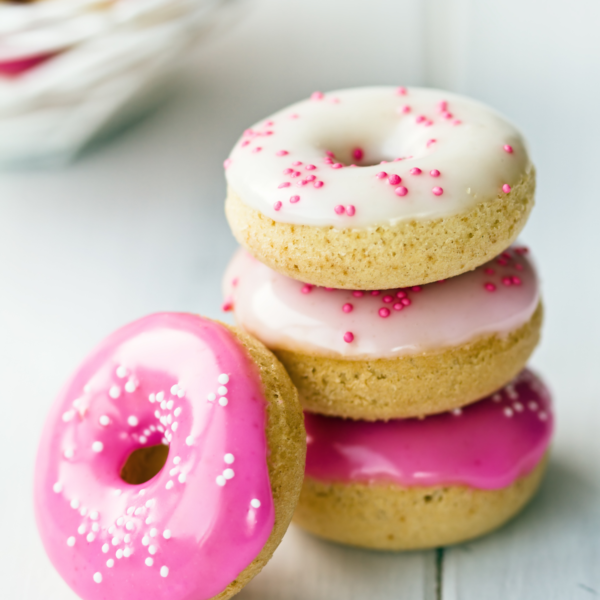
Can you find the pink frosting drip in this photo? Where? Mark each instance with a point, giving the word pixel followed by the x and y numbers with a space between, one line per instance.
pixel 189 531
pixel 487 445
pixel 14 68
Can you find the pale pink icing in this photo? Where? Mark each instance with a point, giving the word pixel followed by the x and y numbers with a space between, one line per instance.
pixel 486 445
pixel 188 532
pixel 283 313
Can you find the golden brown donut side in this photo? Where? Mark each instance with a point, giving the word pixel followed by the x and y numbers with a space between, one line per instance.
pixel 286 439
pixel 390 517
pixel 385 257
pixel 411 386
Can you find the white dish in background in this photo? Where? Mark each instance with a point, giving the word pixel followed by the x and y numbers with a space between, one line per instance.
pixel 108 60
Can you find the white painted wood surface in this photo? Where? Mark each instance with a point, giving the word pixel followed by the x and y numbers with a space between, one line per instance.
pixel 137 226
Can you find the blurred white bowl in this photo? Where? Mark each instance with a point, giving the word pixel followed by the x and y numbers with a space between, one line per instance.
pixel 71 69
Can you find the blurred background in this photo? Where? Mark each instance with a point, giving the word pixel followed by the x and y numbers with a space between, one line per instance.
pixel 135 225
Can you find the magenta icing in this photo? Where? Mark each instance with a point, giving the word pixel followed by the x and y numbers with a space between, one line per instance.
pixel 486 445
pixel 285 314
pixel 188 532
pixel 13 68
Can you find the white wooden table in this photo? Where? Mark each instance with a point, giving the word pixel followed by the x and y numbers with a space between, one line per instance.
pixel 137 226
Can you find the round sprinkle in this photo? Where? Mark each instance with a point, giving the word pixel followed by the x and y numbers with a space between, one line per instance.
pixel 167 534
pixel 132 421
pixel 121 372
pixel 229 458
pixel 105 548
pixel 415 171
pixel 223 378
pixel 75 503
pixel 145 540
pixel 358 153
pixel 71 541
pixel 506 188
pixel 182 478
pixel 57 487
pixel 223 401
pixel 255 503
pixel 110 563
pixel 350 210
pixel 67 416
pixel 189 440
pixel 169 485
pixel 434 173
pixel 114 392
pixel 508 412
pixel 508 149
pixel 164 571
pixel 381 175
pixel 127 552
pixel 384 313
pixel 152 549
pixel 97 446
pixel 149 561
pixel 347 308
pixel 294 199
pixel 129 526
pixel 394 179
pixel 339 209
pixel 489 286
pixel 438 191
pixel 130 386
pixel 119 553
pixel 348 337
pixel 222 390
pixel 281 153
pixel 220 480
pixel 90 537
pixel 228 473
pixel 98 577
pixel 401 191
pixel 277 205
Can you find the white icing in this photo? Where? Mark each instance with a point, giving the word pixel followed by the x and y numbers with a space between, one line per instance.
pixel 468 152
pixel 111 55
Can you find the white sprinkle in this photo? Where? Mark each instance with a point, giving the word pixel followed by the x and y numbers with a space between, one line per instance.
pixel 182 478
pixel 222 390
pixel 223 378
pixel 164 571
pixel 120 521
pixel 181 393
pixel 169 419
pixel 127 552
pixel 177 411
pixel 90 537
pixel 152 398
pixel 94 515
pixel 508 412
pixel 129 526
pixel 119 553
pixel 114 392
pixel 229 458
pixel 81 529
pixel 131 386
pixel 143 439
pixel 173 471
pixel 111 530
pixel 116 541
pixel 167 534
pixel 97 446
pixel 87 387
pixel 127 538
pixel 170 405
pixel 518 407
pixel 255 503
pixel 221 480
pixel 98 577
pixel 67 416
pixel 542 415
pixel 496 397
pixel 121 372
pixel 95 527
pixel 75 503
pixel 160 396
pixel 228 473
pixel 130 510
pixel 175 426
pixel 148 520
pixel 71 541
pixel 145 540
pixel 189 440
pixel 153 532
pixel 138 511
pixel 110 563
pixel 533 405
pixel 149 561
pixel 169 485
pixel 223 401
pixel 105 548
pixel 133 421
pixel 211 397
pixel 152 549
pixel 83 511
pixel 69 453
pixel 163 405
pixel 150 503
pixel 117 492
pixel 457 412
pixel 57 487
pixel 174 389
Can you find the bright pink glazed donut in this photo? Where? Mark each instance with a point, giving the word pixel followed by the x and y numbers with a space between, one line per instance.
pixel 174 379
pixel 486 445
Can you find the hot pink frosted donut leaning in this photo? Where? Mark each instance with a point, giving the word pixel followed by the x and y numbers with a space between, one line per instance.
pixel 188 532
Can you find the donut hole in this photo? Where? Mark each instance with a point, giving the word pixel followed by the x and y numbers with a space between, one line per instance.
pixel 144 463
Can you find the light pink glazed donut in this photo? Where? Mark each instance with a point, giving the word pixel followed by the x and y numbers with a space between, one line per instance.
pixel 194 385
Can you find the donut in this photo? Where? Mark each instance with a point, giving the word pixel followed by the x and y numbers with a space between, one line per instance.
pixel 393 353
pixel 170 464
pixel 408 484
pixel 440 185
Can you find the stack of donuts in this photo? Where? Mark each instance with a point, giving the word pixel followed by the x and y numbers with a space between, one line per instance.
pixel 379 264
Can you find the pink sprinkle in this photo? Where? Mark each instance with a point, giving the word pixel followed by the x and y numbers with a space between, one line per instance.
pixel 383 162
pixel 428 123
pixel 245 143
pixel 350 210
pixel 301 182
pixel 227 306
pixel 508 149
pixel 281 153
pixel 522 250
pixel 358 294
pixel 317 96
pixel 294 116
pixel 327 160
pixel 502 262
pixel 318 184
pixel 506 188
pixel 384 313
pixel 296 163
pixel 284 185
pixel 416 288
pixel 337 166
pixel 310 178
pixel 375 293
pixel 490 287
pixel 348 337
pixel 307 288
pixel 401 294
pixel 415 171
pixel 406 301
pixel 394 179
pixel 257 149
pixel 401 91
pixel 294 199
pixel 357 153
pixel 288 171
pixel 248 132
pixel 518 266
pixel 420 119
pixel 310 167
pixel 489 271
pixel 456 122
pixel 234 281
pixel 329 153
pixel 387 299
pixel 401 191
pixel 434 173
pixel 516 280
pixel 442 105
pixel 398 306
pixel 347 308
pixel 438 191
pixel 447 115
pixel 381 175
pixel 269 123
pixel 226 162
pixel 339 209
pixel 404 109
pixel 277 205
pixel 429 142
pixel 296 174
pixel 507 280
